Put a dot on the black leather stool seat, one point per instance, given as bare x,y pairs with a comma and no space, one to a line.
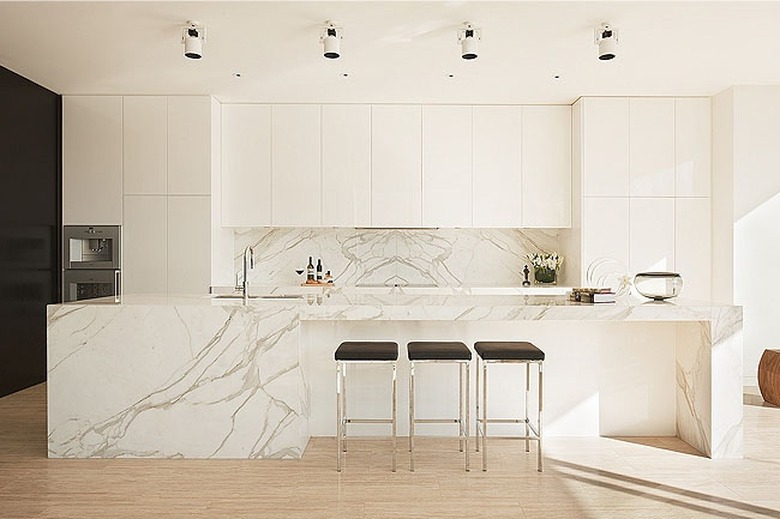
438,351
367,351
504,350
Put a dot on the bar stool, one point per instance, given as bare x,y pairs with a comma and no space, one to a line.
517,353
441,352
356,353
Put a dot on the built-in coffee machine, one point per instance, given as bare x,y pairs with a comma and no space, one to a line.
91,262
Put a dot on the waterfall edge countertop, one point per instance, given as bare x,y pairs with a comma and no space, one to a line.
207,377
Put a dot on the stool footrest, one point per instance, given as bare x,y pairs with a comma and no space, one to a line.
436,420
368,420
503,420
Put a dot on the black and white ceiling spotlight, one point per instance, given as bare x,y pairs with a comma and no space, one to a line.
193,36
469,37
606,39
330,37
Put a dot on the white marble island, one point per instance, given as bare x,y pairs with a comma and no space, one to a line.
196,377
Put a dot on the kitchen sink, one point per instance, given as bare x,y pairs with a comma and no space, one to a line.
232,296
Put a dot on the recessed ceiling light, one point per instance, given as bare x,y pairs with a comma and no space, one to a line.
450,76
236,74
345,74
556,76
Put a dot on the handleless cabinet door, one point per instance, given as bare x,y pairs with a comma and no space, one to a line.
189,244
496,147
92,160
651,235
189,145
396,180
546,166
446,173
346,165
605,235
651,130
605,150
145,130
296,174
246,165
693,246
693,137
145,243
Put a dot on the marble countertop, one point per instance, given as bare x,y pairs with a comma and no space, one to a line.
354,305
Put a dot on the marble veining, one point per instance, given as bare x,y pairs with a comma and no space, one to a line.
198,377
441,257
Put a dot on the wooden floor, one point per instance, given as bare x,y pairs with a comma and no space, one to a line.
584,478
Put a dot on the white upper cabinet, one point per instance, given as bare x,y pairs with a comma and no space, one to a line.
446,170
651,147
693,146
296,176
546,166
605,146
92,160
496,153
246,165
651,235
144,137
346,165
396,157
189,145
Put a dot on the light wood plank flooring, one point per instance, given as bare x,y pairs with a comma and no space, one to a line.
584,478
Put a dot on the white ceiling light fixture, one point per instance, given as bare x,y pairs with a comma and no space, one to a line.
606,39
193,36
330,37
469,37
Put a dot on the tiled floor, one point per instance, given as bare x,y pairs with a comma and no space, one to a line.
584,478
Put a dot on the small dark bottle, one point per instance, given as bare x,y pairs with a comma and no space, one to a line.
319,269
310,270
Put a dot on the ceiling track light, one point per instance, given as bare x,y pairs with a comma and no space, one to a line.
330,37
469,37
606,39
193,36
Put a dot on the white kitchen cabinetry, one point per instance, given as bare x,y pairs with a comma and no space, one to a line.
396,157
346,165
144,137
189,244
651,235
605,146
246,165
651,146
693,246
92,160
189,145
496,175
296,177
605,231
693,130
145,241
446,169
546,166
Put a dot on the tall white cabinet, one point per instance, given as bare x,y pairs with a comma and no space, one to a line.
645,198
92,160
144,162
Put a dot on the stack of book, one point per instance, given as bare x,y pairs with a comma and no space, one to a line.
592,295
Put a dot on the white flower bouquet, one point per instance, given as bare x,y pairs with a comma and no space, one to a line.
545,261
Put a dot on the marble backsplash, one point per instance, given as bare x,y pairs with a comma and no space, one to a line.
441,257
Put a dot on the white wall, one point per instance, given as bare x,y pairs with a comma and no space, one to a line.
747,160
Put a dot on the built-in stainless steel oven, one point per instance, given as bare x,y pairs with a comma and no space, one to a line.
91,261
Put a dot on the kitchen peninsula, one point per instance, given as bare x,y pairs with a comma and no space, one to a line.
201,377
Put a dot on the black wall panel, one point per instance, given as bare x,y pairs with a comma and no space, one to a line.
30,226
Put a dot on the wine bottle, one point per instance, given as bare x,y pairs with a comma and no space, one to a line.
319,269
310,270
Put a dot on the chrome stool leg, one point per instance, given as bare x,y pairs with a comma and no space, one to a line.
339,411
484,416
395,370
527,390
477,418
467,432
539,463
411,416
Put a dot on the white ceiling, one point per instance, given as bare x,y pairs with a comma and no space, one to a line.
394,52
